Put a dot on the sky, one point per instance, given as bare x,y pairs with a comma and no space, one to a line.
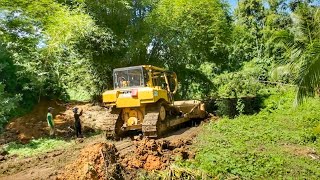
233,3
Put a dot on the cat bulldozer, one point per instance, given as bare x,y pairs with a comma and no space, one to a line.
143,100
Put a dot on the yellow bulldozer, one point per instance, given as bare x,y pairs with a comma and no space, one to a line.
142,99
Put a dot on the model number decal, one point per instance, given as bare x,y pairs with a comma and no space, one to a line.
125,95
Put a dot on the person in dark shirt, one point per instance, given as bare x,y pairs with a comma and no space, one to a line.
77,122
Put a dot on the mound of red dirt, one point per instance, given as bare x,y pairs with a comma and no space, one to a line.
156,155
101,160
96,161
34,124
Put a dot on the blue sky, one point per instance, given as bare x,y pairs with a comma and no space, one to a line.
233,3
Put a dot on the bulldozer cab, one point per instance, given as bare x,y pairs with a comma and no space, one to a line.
145,76
164,80
129,77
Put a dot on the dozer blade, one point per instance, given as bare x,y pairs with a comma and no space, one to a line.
191,108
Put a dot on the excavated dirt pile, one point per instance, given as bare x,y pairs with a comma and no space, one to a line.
96,161
156,155
34,124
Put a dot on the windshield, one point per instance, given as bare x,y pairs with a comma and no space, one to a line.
131,77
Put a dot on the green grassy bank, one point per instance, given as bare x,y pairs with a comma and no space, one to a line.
280,142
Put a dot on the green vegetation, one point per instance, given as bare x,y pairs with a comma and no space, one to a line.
35,147
276,143
67,49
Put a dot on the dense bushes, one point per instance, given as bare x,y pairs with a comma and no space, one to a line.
239,92
8,98
232,107
67,49
8,105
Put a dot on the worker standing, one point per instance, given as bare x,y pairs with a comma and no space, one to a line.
77,122
50,121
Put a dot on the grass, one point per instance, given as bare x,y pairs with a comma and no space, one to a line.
276,143
35,147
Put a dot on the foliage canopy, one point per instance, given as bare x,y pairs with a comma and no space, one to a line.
67,49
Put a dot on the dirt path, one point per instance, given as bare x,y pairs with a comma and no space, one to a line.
44,166
133,154
51,164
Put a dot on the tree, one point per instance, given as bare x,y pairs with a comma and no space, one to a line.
251,14
303,48
44,38
186,34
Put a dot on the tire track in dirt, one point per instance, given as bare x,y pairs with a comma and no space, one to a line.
127,145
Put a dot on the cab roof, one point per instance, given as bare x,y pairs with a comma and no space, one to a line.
147,67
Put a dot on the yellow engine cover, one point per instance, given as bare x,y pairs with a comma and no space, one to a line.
125,99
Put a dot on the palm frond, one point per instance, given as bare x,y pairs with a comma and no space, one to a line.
279,72
282,36
316,21
285,39
309,72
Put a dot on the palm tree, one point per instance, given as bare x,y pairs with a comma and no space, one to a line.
303,42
